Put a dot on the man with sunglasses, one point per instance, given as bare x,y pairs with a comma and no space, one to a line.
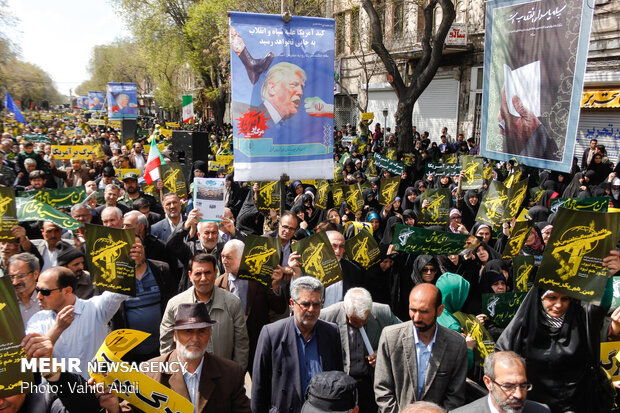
293,350
76,327
506,379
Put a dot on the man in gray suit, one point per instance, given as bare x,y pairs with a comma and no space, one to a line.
420,360
506,379
360,322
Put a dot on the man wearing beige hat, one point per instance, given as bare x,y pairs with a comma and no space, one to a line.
211,383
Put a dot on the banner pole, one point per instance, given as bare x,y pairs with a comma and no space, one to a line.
283,179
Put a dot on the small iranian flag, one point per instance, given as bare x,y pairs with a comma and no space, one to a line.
188,109
155,160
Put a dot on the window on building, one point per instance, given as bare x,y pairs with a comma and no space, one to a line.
355,27
340,33
398,18
476,86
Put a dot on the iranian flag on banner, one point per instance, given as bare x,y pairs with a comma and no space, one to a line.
188,109
155,160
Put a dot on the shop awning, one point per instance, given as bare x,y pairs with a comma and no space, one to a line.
600,98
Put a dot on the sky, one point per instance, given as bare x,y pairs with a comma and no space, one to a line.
59,36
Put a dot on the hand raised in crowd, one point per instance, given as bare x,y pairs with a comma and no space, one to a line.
193,218
614,327
160,185
482,318
65,317
425,203
37,346
228,225
469,341
137,253
612,262
18,232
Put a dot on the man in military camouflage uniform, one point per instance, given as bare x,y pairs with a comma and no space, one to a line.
133,192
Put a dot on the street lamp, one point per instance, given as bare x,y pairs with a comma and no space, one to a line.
385,113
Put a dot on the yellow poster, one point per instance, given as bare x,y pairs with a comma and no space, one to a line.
148,395
74,151
368,116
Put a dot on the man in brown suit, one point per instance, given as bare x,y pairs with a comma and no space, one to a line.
78,175
211,383
256,299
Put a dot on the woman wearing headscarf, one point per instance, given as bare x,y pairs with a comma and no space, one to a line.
250,220
390,227
378,278
468,205
423,269
491,282
484,232
559,337
534,244
411,194
574,188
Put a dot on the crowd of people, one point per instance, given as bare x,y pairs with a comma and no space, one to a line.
383,338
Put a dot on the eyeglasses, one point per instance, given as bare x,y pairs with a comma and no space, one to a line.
306,305
426,269
286,227
46,292
20,276
511,387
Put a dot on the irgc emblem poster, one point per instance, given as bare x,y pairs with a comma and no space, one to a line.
534,64
282,96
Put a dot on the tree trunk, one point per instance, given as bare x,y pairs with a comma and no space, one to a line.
404,114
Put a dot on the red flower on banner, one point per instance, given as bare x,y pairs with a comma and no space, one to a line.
253,124
115,109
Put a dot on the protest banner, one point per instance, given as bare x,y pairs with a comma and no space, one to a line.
209,198
382,162
442,169
438,208
518,235
268,196
523,272
338,193
107,256
363,249
573,259
75,151
8,213
318,258
120,172
596,204
358,226
502,307
473,172
36,137
609,359
533,78
270,138
338,172
149,395
171,125
11,352
58,198
261,255
215,166
35,210
95,101
368,116
322,194
174,181
225,159
491,208
484,342
416,240
450,158
388,190
354,197
536,193
408,159
122,101
151,189
516,195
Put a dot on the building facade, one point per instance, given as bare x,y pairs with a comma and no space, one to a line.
454,97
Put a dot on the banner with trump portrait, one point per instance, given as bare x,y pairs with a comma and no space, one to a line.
282,78
534,65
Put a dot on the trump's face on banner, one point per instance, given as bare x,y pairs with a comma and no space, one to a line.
284,88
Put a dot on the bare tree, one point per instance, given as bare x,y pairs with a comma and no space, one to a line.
425,68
